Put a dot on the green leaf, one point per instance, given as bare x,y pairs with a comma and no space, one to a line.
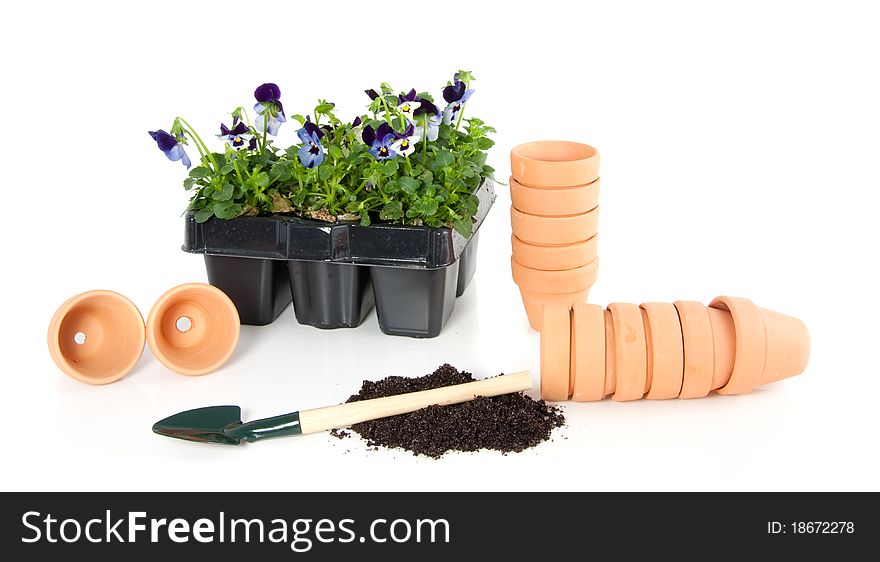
188,183
335,152
392,187
390,168
225,194
392,210
227,169
408,185
299,118
463,227
444,158
204,214
225,210
365,219
200,172
484,143
261,179
324,172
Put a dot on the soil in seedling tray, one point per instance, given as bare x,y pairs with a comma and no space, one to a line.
509,423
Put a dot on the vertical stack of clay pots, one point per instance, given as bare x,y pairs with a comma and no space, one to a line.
661,350
554,188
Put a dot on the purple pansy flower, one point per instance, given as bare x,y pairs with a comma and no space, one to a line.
171,146
372,93
405,142
356,122
456,95
407,103
427,119
270,113
311,153
238,136
380,141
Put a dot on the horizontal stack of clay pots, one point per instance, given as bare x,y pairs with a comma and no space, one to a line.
660,351
554,188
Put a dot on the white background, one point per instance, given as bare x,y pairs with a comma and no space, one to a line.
739,156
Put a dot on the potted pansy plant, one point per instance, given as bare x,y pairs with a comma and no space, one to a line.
383,208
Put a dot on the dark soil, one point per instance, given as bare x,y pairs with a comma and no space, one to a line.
509,423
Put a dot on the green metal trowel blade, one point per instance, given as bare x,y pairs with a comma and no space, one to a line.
205,425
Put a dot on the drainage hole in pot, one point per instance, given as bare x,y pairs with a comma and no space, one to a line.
79,338
184,324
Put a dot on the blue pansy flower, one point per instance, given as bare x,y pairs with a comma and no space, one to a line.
405,142
270,113
456,95
427,119
380,141
311,153
407,103
238,136
171,146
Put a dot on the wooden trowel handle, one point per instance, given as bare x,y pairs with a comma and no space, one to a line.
343,415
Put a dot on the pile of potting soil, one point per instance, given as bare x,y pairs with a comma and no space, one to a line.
506,423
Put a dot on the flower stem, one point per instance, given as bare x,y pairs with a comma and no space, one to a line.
195,136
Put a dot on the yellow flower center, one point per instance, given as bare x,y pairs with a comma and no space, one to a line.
404,144
406,108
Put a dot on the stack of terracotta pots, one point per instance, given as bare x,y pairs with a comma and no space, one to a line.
554,188
660,350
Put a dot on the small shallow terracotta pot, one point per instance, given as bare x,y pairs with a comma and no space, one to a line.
535,302
556,202
96,337
565,281
665,354
556,353
630,352
554,163
538,229
699,351
556,257
193,329
587,352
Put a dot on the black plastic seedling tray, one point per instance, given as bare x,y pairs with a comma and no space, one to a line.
336,272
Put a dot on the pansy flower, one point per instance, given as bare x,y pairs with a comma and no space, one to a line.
407,103
380,141
171,146
311,153
270,113
427,119
372,93
238,136
405,142
456,95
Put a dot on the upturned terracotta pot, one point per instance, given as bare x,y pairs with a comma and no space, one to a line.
587,352
555,257
556,352
539,229
564,281
630,352
751,346
664,350
96,337
535,302
699,350
554,163
193,329
554,202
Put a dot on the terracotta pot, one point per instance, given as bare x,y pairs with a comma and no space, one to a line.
535,301
554,202
748,362
96,337
587,352
554,163
630,352
724,344
664,350
699,351
556,353
787,345
538,229
193,329
565,281
554,258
